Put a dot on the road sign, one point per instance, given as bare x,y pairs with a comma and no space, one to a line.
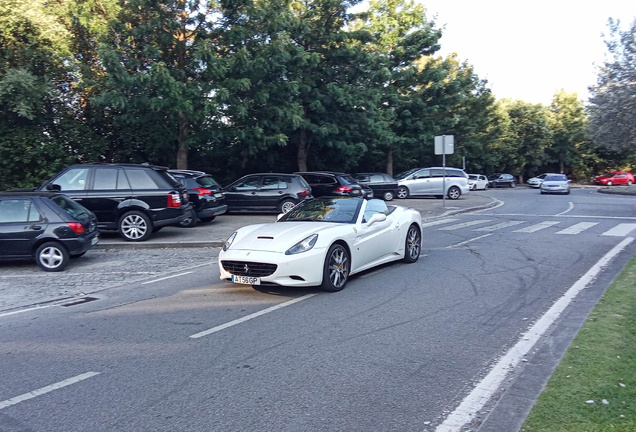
444,144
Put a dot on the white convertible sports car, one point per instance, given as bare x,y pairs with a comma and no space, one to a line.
321,242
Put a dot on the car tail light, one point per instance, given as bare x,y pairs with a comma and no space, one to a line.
304,193
174,200
77,227
203,191
343,189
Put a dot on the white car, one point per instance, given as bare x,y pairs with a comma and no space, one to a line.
321,242
477,181
536,181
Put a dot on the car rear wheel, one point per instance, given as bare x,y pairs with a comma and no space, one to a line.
609,183
286,205
388,196
403,192
413,244
629,182
190,221
454,192
52,257
336,269
135,226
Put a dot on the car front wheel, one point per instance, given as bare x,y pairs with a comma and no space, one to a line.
286,206
52,257
629,182
609,183
388,196
336,269
135,226
190,220
413,244
403,192
454,193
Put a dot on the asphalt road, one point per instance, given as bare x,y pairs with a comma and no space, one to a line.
398,350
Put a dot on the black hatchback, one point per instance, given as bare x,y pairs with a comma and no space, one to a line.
135,200
47,226
206,196
328,183
383,185
280,192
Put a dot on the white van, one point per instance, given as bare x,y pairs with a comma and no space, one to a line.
429,181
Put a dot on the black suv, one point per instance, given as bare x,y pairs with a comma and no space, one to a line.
279,192
135,200
327,183
208,201
47,226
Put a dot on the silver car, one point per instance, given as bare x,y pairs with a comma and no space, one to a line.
430,181
536,181
555,183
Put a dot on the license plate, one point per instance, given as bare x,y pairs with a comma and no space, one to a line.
218,195
248,280
95,240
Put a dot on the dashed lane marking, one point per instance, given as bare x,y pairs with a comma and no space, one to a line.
464,225
577,228
537,227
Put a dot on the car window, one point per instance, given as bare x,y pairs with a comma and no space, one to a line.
364,178
332,209
425,173
327,180
311,178
69,206
377,178
140,179
302,181
273,182
73,179
105,178
18,210
556,177
250,183
207,182
374,206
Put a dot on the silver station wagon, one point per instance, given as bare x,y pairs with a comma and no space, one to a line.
430,181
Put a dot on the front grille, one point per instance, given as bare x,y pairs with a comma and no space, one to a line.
244,268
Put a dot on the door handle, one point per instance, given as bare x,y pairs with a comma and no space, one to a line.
253,193
280,192
35,227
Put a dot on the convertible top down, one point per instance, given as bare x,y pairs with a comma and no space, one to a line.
321,242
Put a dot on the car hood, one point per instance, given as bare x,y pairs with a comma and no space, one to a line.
603,177
280,236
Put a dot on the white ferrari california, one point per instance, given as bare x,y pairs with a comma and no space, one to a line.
321,242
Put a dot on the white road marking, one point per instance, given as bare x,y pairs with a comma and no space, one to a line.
499,226
26,310
467,410
537,227
620,230
468,241
577,228
564,212
438,222
464,225
249,317
167,277
47,389
560,215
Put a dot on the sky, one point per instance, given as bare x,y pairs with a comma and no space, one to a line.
528,50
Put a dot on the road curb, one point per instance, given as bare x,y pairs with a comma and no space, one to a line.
159,245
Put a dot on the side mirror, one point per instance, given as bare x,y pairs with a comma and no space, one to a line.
378,217
53,187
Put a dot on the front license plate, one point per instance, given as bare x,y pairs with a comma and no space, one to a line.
95,240
246,280
218,195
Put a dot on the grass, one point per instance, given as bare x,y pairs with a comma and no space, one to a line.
599,365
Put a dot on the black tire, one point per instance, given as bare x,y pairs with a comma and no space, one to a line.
286,205
78,255
52,257
629,182
207,219
513,184
403,192
336,268
413,244
190,221
135,226
454,193
388,196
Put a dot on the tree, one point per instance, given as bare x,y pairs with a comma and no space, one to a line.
612,106
568,123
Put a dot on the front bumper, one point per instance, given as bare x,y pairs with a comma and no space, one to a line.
300,270
558,189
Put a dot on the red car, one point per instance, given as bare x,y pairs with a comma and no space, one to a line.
615,178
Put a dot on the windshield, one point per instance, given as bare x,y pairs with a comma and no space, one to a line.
325,209
556,178
69,206
405,174
207,182
473,176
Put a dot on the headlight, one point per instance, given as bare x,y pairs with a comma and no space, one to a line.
303,246
229,241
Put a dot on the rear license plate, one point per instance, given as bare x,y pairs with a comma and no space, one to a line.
246,280
95,240
218,195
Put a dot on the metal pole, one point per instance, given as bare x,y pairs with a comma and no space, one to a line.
444,166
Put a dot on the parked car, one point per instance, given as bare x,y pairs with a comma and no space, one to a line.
383,185
614,178
135,200
499,180
205,194
280,192
322,242
555,183
477,181
430,181
328,183
536,181
47,226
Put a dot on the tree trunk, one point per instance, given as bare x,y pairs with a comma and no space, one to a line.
389,161
562,167
182,153
303,147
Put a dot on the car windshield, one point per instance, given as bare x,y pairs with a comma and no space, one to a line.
325,209
207,182
473,176
609,174
405,174
556,178
69,206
